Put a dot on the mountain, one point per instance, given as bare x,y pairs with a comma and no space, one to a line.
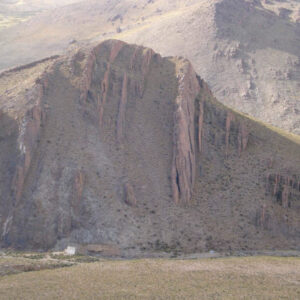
246,50
116,145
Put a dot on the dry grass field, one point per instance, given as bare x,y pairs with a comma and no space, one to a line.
222,278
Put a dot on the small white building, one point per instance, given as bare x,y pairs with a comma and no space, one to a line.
70,250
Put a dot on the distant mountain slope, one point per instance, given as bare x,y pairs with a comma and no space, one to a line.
247,50
119,146
13,12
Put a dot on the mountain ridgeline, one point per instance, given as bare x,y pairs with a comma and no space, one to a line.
246,50
116,145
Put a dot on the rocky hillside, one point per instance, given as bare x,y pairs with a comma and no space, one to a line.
116,145
246,50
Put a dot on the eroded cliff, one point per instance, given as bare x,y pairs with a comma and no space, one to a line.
117,145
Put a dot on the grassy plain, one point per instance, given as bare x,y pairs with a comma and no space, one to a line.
221,278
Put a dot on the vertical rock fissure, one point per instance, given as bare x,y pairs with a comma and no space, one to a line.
243,137
122,110
177,181
200,126
229,119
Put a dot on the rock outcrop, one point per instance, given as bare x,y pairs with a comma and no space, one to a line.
285,189
129,195
116,145
184,152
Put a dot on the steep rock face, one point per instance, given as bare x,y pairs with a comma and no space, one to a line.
116,145
9,152
29,133
184,154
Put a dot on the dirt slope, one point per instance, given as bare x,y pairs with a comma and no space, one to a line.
247,50
115,145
